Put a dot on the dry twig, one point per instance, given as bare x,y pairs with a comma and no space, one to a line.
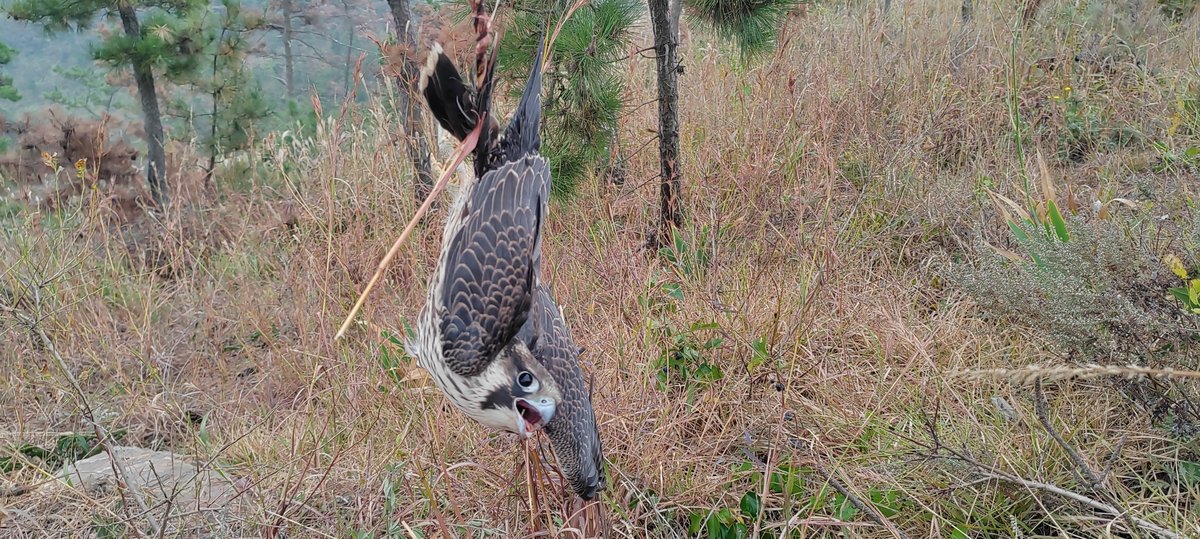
103,438
1039,404
867,509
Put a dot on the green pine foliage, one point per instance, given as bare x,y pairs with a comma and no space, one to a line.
585,84
170,42
7,91
225,103
88,92
752,24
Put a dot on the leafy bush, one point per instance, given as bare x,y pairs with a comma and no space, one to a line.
685,362
1097,291
1094,294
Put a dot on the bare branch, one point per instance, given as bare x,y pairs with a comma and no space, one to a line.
867,509
1039,404
103,438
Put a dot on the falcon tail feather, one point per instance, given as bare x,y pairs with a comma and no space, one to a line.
450,99
523,134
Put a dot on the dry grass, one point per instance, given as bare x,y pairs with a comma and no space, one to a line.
842,175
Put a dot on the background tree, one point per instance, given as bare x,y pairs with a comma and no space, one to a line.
752,24
157,36
667,67
317,43
411,101
224,102
585,82
6,88
87,92
284,22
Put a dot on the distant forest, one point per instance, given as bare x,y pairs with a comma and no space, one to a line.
225,73
57,68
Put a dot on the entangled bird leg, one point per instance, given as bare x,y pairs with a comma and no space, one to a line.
531,473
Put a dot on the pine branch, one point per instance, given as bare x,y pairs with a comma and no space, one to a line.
752,24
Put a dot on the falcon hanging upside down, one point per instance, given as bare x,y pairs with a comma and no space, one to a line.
490,334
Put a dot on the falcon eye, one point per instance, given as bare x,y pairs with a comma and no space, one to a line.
525,379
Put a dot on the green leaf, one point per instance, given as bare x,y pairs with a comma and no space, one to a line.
1189,472
389,363
34,451
1017,231
203,432
1056,219
726,516
392,338
696,523
788,480
1023,238
750,504
958,533
673,290
886,501
709,373
777,483
844,510
681,245
760,355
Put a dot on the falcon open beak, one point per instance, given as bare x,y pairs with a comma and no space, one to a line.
534,414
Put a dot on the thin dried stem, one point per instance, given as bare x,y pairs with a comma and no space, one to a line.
102,436
467,145
1039,405
1080,498
866,508
1032,374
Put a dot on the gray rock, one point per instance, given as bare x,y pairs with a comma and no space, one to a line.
158,476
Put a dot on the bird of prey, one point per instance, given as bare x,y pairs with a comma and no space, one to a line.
490,334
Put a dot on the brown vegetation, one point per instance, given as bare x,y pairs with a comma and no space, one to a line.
56,140
833,192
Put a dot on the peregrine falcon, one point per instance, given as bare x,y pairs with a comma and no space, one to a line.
490,334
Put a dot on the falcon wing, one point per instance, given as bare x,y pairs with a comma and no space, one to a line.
493,263
573,430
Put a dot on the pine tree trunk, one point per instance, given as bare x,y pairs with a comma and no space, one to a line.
676,11
410,103
289,77
156,164
666,40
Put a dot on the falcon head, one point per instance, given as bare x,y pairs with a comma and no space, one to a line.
521,395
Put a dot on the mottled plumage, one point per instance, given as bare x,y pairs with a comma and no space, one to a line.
573,431
490,334
492,263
